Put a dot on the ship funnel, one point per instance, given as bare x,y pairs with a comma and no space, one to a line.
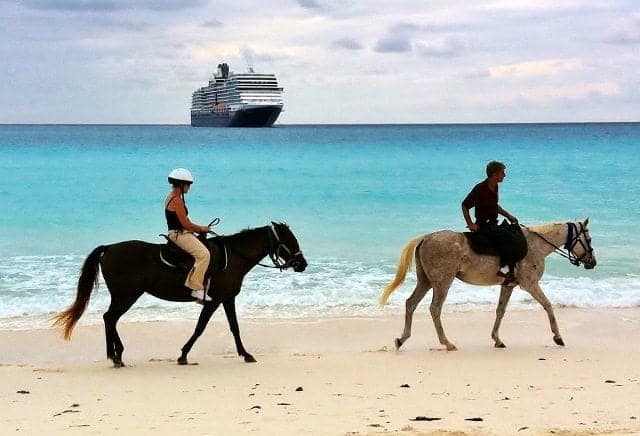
223,70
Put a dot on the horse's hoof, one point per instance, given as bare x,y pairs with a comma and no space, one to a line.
398,343
118,363
249,358
500,345
558,340
452,347
182,360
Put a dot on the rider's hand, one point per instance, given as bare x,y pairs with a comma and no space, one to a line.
205,229
513,219
473,227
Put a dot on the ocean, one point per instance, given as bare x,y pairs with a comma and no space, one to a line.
353,195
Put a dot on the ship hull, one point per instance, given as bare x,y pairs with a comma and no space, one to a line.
251,117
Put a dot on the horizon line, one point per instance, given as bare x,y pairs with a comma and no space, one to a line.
335,124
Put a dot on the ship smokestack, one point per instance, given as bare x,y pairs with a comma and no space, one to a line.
223,70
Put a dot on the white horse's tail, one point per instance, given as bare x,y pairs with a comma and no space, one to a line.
404,263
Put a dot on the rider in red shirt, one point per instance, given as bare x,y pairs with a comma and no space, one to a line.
484,199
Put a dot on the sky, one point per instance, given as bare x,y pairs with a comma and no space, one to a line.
347,61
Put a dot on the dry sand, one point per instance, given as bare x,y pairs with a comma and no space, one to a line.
331,376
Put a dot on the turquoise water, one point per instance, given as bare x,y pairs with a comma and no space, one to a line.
352,194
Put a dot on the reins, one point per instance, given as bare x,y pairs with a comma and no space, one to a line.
573,238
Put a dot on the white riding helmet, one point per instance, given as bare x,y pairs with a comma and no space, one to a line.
180,175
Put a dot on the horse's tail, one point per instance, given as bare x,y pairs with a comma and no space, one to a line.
68,318
404,263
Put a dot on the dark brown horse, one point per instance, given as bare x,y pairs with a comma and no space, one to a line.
131,268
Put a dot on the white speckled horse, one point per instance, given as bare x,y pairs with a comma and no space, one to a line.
442,256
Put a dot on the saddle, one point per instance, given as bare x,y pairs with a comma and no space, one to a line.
481,243
175,257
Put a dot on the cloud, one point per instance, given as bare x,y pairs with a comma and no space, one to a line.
110,5
309,4
393,44
438,39
489,49
250,56
543,67
627,32
212,23
74,5
477,73
572,92
406,27
432,27
109,22
443,47
549,94
347,43
533,7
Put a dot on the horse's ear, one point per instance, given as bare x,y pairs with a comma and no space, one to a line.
586,222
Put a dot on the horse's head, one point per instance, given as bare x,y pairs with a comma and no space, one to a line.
579,244
287,248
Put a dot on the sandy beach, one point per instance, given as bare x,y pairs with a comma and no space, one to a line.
332,376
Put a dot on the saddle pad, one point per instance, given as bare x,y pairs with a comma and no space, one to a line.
481,243
174,257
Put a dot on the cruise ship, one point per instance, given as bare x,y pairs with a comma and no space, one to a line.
237,100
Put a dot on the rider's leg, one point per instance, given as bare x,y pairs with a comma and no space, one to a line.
503,240
195,279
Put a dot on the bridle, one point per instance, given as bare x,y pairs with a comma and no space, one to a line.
276,246
573,239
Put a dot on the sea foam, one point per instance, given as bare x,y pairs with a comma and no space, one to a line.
34,288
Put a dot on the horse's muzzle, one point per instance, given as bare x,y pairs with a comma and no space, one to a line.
590,265
589,262
298,263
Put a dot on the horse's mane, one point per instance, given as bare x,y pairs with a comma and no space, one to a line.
248,230
544,228
243,232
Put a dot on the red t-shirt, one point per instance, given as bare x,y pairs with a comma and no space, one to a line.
485,202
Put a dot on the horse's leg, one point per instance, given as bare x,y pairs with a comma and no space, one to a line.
537,293
505,295
205,316
119,305
230,311
422,287
108,334
440,291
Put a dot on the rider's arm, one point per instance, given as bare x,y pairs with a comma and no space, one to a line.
469,202
507,215
467,217
178,207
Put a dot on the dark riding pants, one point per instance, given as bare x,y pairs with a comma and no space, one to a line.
508,241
